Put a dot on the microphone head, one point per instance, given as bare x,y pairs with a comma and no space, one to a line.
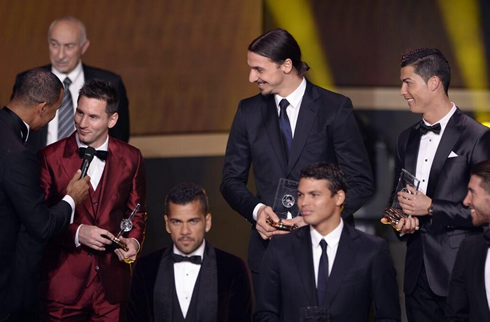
89,154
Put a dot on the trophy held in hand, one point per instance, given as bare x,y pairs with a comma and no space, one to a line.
394,213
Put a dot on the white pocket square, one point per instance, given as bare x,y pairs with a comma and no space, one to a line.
452,155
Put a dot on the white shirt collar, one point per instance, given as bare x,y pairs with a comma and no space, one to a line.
198,252
103,147
332,238
445,119
73,75
295,97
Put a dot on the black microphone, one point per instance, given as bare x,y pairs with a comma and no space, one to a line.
87,158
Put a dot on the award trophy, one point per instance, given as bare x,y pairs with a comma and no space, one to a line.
314,314
394,213
285,205
126,226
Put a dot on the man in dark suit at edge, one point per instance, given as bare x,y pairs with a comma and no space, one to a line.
34,104
328,267
290,125
469,289
440,151
191,280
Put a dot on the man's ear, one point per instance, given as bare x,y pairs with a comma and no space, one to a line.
113,120
41,108
340,198
209,222
85,46
287,66
434,83
166,224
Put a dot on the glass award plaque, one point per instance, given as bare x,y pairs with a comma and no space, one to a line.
394,213
285,206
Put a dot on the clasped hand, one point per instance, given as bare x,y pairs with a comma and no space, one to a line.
265,230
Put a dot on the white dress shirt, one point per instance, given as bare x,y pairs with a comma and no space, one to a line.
77,80
294,99
332,240
185,276
487,277
429,143
95,171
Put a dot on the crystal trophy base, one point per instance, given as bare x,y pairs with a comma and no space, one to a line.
280,225
116,243
393,216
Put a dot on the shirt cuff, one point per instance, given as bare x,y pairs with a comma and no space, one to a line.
77,243
71,202
256,210
139,246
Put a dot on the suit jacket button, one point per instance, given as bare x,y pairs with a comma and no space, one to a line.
96,268
96,203
89,254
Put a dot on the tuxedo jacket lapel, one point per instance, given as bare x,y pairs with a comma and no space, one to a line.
451,135
412,151
307,113
115,164
271,124
162,292
207,304
342,263
478,280
304,262
71,163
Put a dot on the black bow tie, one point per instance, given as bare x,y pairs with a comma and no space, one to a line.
424,129
99,153
486,235
193,259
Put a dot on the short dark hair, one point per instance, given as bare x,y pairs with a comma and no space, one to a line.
101,90
428,62
326,171
184,193
278,45
482,170
38,86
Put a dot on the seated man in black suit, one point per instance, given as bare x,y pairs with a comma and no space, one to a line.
469,289
190,280
328,267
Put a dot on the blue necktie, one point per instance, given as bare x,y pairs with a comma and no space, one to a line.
285,126
322,273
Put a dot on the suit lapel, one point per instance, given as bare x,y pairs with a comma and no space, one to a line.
271,124
162,292
71,163
342,263
207,299
412,151
451,135
88,73
304,261
478,279
306,116
114,166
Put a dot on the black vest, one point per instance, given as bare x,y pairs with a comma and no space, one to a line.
177,315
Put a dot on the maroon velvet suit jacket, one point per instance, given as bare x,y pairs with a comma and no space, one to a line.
66,270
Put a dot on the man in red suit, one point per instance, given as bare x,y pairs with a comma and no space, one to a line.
81,277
